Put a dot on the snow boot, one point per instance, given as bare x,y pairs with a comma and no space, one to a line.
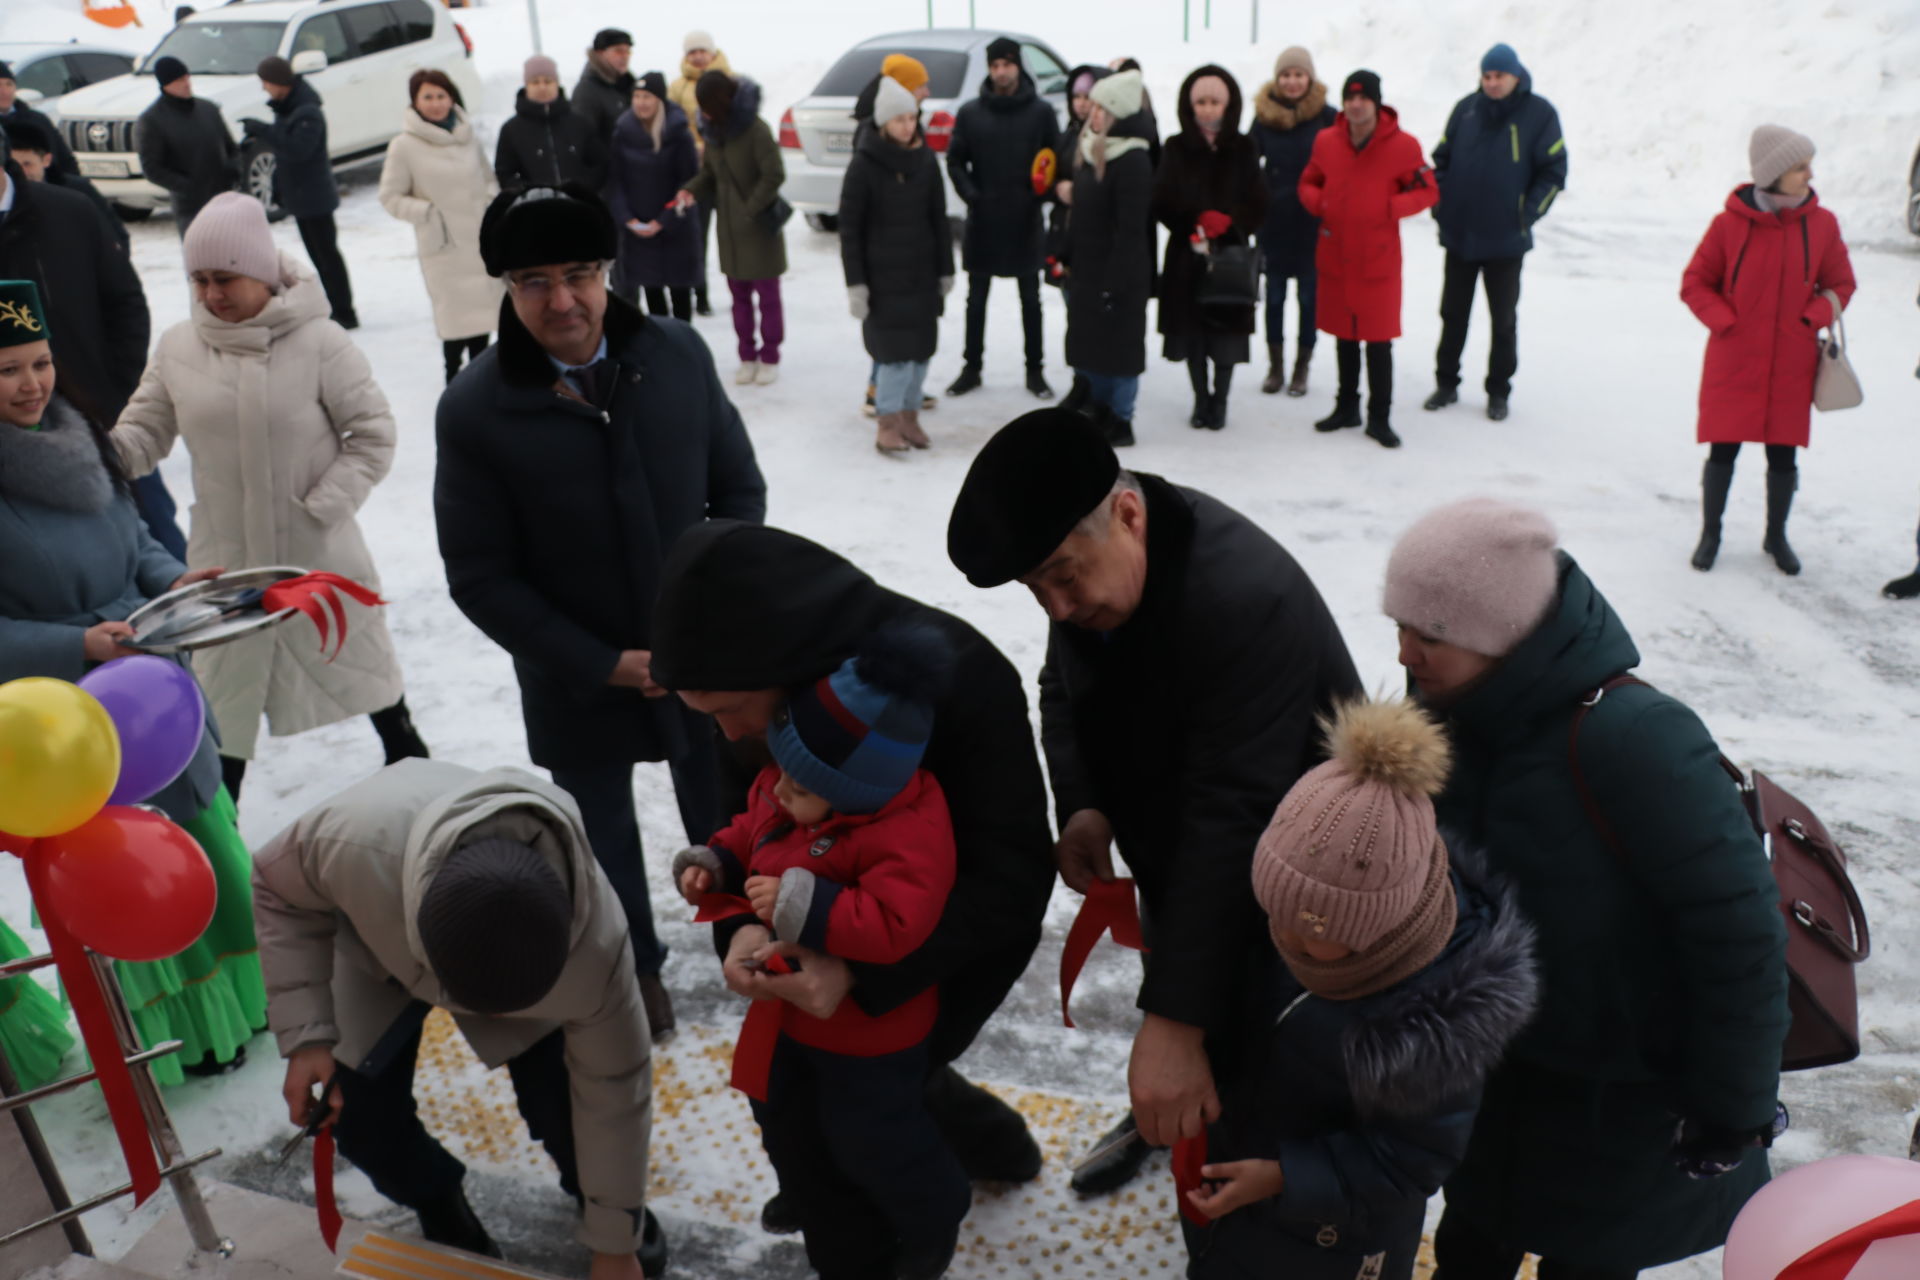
744,375
1116,1166
910,428
1497,408
1441,398
702,304
1202,400
767,374
1037,384
1297,385
1715,479
658,1005
452,1222
969,380
1117,430
398,737
1906,588
988,1137
929,1260
1346,413
1380,430
1780,487
652,1252
1276,362
778,1217
890,438
1078,395
1217,402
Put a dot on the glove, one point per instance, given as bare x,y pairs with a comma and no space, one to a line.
1704,1151
946,285
1213,224
253,128
857,301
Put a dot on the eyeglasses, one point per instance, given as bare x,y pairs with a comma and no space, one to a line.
537,288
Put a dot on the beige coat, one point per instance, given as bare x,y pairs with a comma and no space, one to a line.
681,91
335,898
288,435
440,181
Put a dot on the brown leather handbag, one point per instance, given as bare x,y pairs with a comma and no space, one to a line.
1826,925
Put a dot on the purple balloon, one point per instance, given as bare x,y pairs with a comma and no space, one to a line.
156,706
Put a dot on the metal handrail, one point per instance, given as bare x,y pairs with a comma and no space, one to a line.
105,1197
26,964
10,1102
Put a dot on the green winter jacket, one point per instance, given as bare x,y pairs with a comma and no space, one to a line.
1662,961
740,176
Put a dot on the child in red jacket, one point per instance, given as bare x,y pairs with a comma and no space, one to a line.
846,848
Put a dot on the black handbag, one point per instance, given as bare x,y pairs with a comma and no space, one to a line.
774,216
1229,278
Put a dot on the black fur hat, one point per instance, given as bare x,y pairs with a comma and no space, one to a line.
541,226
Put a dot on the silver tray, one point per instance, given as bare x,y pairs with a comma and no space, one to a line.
163,612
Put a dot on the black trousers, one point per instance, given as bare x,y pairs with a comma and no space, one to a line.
1379,376
454,349
1502,278
859,1157
978,285
1780,457
680,306
322,240
604,792
1462,1252
380,1131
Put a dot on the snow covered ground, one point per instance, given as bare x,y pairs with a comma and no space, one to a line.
1815,680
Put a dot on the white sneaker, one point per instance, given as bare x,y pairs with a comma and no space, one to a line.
745,374
767,375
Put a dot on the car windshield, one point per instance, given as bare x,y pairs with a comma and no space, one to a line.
946,70
220,48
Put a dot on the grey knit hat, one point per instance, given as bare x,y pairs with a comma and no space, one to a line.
496,924
539,65
1774,150
1293,58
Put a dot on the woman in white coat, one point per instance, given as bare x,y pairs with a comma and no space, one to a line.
437,177
288,435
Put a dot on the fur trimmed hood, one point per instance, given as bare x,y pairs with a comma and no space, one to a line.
1270,110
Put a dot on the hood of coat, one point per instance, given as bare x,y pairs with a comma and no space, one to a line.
1271,110
629,131
523,361
1229,123
57,466
1501,108
741,115
509,804
1387,126
303,95
1018,100
691,73
1439,1034
744,606
300,301
1741,201
415,125
526,108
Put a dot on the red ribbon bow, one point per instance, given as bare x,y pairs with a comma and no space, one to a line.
760,1031
323,1201
1835,1259
1109,908
314,594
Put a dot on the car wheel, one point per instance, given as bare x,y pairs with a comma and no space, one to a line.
828,222
256,177
129,213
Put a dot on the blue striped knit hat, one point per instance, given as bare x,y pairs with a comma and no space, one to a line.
855,737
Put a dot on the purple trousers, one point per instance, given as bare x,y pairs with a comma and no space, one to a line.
772,324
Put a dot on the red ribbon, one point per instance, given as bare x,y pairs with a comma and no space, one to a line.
98,1033
1189,1157
323,1201
314,594
1109,908
760,1030
1836,1258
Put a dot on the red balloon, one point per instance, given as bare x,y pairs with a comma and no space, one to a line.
18,846
128,883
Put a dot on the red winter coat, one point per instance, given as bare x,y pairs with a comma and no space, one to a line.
863,887
1360,197
1755,283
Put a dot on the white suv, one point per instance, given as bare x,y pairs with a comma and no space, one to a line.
359,54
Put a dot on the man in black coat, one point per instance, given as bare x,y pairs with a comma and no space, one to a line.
13,112
571,454
1187,659
184,144
604,91
746,614
32,150
991,159
303,176
96,310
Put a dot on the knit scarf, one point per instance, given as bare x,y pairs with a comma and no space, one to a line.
1097,148
1775,202
1411,946
57,466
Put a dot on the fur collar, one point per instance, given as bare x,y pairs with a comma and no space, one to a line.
1269,110
1437,1035
57,466
524,363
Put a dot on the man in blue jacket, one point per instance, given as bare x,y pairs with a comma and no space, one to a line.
303,176
1500,164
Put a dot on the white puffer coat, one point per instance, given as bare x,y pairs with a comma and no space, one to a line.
440,181
288,434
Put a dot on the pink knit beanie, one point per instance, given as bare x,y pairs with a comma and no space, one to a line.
230,234
1480,574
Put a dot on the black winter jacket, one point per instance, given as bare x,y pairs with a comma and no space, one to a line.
641,182
96,309
186,147
749,608
303,168
601,102
1185,727
1193,179
896,240
548,142
1284,136
554,516
81,186
1499,165
1110,260
990,159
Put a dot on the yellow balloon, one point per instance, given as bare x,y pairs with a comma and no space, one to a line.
59,757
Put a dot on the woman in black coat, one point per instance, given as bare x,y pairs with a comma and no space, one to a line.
1110,249
1209,195
896,246
546,140
654,155
1289,112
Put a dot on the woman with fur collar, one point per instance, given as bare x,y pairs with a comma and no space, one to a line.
1289,111
1408,971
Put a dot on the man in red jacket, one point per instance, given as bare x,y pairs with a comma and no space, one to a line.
1362,180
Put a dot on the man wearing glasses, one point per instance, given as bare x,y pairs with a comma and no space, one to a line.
572,453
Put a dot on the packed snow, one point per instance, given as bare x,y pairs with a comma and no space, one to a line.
1815,679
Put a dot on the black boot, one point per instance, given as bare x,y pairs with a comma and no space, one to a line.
1117,430
1715,479
1903,588
1441,398
1078,394
1346,402
1380,394
1117,1165
1037,385
928,1260
1217,402
451,1222
778,1217
1202,398
232,772
1346,413
1780,487
969,380
702,305
652,1252
1276,365
397,734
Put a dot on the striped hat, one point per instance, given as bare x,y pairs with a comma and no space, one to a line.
855,737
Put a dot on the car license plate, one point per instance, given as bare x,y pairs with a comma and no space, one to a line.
839,144
102,168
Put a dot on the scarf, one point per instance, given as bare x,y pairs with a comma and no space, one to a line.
57,465
1097,148
1775,202
1408,948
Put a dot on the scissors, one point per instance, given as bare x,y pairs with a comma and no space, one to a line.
318,1113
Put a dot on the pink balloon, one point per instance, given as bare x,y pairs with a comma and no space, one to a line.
1804,1208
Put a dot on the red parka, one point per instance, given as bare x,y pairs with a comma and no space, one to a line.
1360,197
1755,282
871,887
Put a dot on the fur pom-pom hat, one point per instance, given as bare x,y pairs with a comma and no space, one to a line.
1354,856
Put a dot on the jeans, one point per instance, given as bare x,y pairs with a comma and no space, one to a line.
1502,277
1118,394
1306,288
766,349
664,301
897,387
978,286
322,240
604,793
1462,1252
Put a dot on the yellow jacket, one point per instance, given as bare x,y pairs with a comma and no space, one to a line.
681,90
